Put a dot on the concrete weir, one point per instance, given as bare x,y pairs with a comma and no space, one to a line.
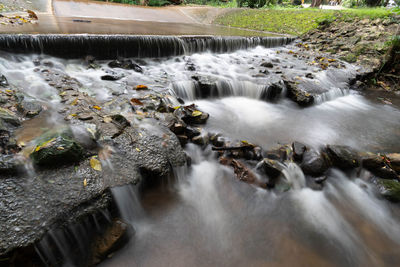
112,46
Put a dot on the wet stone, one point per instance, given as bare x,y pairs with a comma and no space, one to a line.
8,164
314,163
272,92
297,95
29,108
125,64
394,159
267,65
298,150
110,77
57,149
3,81
270,167
342,157
389,189
9,117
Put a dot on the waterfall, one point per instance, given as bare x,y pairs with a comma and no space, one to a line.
112,46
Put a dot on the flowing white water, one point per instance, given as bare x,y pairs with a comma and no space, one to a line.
209,218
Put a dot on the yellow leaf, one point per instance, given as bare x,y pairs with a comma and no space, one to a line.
60,148
9,91
95,163
84,182
137,149
74,102
63,93
45,144
177,107
97,107
196,113
73,115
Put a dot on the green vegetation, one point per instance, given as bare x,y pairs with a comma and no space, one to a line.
294,21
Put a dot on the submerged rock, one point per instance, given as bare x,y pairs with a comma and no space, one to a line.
267,65
108,77
389,189
57,149
29,108
297,95
343,157
114,238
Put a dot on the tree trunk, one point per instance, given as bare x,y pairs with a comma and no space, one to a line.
316,3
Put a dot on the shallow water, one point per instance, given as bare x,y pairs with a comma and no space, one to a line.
205,216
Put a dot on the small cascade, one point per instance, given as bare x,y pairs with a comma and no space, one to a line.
128,203
72,244
112,46
332,94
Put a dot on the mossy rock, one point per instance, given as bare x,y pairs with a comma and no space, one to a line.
390,189
350,58
9,117
57,149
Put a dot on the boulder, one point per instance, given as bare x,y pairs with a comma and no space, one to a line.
342,157
314,163
57,149
297,95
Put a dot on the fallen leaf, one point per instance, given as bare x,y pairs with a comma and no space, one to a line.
97,107
84,182
141,87
136,101
196,113
137,149
74,102
95,163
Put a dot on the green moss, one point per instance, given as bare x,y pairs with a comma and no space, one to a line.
294,21
350,57
390,189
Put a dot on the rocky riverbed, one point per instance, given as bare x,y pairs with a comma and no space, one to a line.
73,129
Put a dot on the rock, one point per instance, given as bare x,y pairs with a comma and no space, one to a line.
190,115
206,86
321,179
9,117
108,77
242,172
271,92
394,159
29,108
378,166
8,164
267,65
342,157
183,139
191,132
125,64
270,167
389,189
298,150
310,76
56,149
200,140
114,238
314,163
177,128
299,96
190,66
3,81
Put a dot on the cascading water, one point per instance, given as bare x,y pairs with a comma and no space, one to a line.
209,218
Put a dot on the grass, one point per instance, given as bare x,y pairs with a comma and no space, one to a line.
294,21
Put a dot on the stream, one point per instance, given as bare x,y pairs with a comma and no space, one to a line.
204,216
